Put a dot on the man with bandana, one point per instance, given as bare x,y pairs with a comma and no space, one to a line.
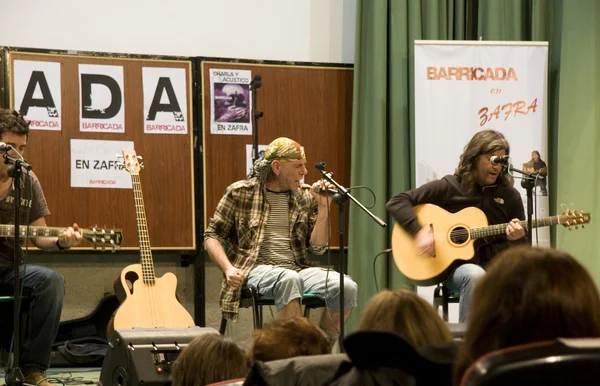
261,233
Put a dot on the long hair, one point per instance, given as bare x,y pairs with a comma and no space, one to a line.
484,142
287,338
209,358
13,122
406,314
529,295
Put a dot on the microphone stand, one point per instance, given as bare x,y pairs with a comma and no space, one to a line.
256,115
340,199
527,182
14,375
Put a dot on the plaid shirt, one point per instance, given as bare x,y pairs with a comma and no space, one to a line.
240,221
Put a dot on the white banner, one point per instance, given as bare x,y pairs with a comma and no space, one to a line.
465,87
230,102
94,164
38,94
165,102
102,98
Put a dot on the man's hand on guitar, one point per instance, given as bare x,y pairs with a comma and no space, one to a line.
235,277
514,230
70,237
424,242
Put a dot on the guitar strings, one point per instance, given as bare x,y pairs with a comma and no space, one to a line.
149,287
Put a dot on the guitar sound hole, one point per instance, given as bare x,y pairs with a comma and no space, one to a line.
459,235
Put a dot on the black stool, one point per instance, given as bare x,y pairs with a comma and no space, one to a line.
250,298
442,296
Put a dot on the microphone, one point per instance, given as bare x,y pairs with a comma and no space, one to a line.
319,190
256,82
4,147
495,160
325,192
320,166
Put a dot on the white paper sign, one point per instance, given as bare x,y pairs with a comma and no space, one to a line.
94,164
230,102
101,96
38,93
165,102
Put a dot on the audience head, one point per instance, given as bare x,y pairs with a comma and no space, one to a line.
287,338
529,295
406,314
209,358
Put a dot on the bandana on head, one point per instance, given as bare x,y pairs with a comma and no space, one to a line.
284,149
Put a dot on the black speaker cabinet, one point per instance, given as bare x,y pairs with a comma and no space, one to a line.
143,356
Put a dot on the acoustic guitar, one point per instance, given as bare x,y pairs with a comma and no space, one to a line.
148,301
454,235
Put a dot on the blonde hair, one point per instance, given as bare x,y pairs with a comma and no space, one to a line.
209,358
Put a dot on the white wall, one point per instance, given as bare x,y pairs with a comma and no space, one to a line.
290,30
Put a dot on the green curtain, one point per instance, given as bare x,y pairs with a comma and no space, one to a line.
383,120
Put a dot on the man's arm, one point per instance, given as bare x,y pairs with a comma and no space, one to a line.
401,206
70,237
319,235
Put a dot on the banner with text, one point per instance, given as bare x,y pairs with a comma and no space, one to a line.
231,102
101,91
94,164
465,87
165,102
37,93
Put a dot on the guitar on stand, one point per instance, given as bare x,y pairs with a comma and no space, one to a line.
149,301
454,237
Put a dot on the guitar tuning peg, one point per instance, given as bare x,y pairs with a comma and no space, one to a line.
142,165
120,156
120,164
139,157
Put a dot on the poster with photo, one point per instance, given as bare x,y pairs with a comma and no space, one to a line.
230,102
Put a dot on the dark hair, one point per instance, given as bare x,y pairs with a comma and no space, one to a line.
529,295
484,142
13,122
209,358
538,154
287,338
406,314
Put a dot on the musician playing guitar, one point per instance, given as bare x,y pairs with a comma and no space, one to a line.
47,286
476,183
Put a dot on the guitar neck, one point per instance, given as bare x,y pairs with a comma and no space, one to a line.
142,224
499,229
25,231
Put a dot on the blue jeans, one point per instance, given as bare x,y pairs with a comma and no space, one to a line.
463,279
47,294
286,285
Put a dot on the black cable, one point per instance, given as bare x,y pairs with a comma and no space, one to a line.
374,271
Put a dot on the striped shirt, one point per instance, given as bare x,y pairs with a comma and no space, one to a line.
239,224
276,248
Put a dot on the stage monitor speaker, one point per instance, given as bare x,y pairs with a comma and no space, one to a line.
143,356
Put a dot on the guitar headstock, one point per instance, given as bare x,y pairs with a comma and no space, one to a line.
572,218
102,238
131,161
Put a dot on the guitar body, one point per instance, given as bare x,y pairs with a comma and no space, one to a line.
453,246
149,305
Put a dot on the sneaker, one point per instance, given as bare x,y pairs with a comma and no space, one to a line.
37,378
